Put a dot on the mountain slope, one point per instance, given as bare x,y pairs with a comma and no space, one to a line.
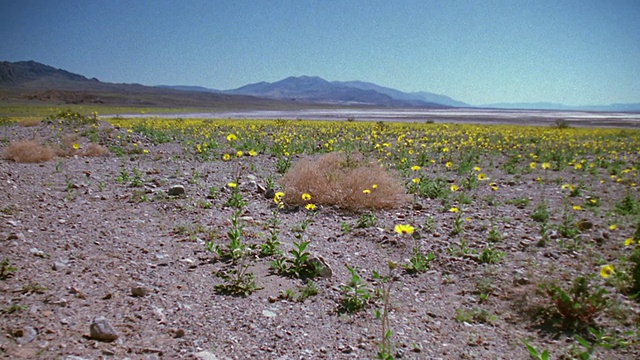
314,88
400,95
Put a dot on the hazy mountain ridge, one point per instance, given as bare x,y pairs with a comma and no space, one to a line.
48,83
317,89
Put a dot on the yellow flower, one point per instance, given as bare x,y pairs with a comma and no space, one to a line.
454,187
404,229
607,270
374,186
239,153
415,180
232,185
253,153
482,176
277,198
454,210
415,168
145,151
306,197
533,165
226,157
444,150
477,168
629,241
231,137
366,191
613,227
493,186
449,164
310,207
546,165
76,146
565,186
578,166
577,207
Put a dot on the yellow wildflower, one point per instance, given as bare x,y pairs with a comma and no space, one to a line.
232,185
277,198
404,229
629,241
454,210
366,191
306,197
415,168
231,137
607,270
310,207
454,187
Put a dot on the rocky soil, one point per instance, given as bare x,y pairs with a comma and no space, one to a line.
108,270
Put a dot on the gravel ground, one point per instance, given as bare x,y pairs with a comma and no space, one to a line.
87,246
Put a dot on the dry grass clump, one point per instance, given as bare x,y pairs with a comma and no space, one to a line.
350,182
29,122
95,150
27,151
72,145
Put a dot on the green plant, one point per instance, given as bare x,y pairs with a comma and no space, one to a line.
541,212
235,199
458,224
123,176
489,255
213,192
271,246
366,220
628,205
494,235
137,180
355,295
578,305
568,227
345,227
13,308
237,280
535,353
283,164
303,293
33,288
385,284
520,203
418,262
474,315
6,269
462,249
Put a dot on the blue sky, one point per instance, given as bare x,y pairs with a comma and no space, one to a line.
575,52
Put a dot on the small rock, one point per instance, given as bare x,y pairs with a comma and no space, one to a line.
176,190
25,335
585,225
269,313
102,330
324,270
17,236
38,253
73,357
270,193
178,334
139,291
205,355
58,265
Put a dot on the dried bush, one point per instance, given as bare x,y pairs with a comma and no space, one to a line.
95,150
339,179
27,151
29,122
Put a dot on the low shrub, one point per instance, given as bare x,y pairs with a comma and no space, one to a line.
27,151
347,181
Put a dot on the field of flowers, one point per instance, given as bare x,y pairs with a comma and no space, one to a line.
387,239
489,190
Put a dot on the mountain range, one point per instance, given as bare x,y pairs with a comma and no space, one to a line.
31,80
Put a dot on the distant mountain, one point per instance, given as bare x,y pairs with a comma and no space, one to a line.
33,81
399,95
313,88
34,74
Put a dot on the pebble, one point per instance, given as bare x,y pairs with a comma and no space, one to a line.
205,355
102,330
38,253
176,190
25,335
139,291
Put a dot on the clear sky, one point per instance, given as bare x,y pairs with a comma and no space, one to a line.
576,52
